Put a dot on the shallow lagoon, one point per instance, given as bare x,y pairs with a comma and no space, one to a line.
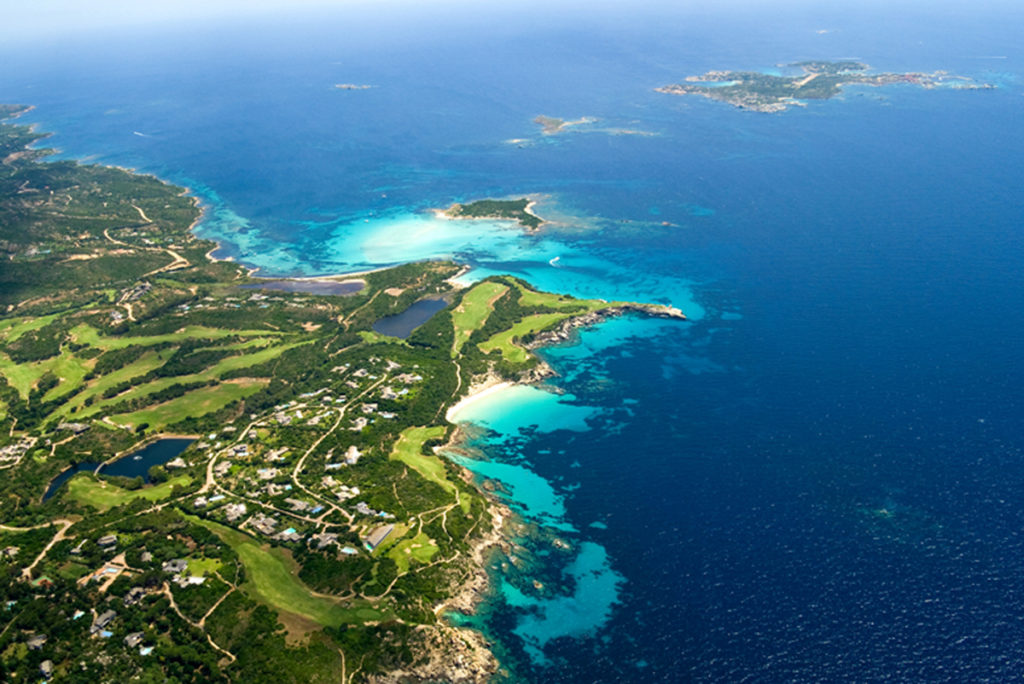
317,287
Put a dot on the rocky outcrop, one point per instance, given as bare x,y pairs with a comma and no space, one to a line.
447,653
453,654
456,654
565,331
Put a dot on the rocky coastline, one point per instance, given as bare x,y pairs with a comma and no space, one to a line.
461,654
565,331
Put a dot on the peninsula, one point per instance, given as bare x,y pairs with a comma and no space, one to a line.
814,80
305,525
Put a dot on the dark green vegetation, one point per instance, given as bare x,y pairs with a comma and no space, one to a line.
314,436
496,321
817,80
310,533
80,229
831,68
514,210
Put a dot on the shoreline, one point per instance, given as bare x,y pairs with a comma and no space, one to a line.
138,446
474,657
492,385
473,591
532,200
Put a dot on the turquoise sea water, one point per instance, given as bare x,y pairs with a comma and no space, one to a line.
816,478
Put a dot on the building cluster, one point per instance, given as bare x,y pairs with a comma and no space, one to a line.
12,454
178,568
262,475
135,293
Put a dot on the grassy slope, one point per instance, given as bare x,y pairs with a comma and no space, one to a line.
192,404
72,371
474,309
407,450
505,340
531,298
271,578
141,366
566,306
23,376
153,361
86,334
104,496
420,548
13,328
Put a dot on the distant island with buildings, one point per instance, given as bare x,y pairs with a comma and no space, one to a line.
814,80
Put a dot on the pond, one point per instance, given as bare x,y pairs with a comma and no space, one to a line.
401,325
58,482
135,464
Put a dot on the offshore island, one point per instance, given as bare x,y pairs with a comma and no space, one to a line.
518,210
211,477
817,80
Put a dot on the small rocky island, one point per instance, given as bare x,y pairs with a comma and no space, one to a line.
514,210
816,80
550,125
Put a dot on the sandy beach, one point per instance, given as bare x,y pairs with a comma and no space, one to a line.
491,386
353,275
445,215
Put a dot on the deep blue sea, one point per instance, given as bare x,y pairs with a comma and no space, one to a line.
820,476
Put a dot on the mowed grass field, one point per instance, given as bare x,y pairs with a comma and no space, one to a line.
192,404
13,328
505,341
272,578
247,357
86,334
201,567
103,496
420,548
473,310
23,376
146,363
531,298
407,450
72,370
